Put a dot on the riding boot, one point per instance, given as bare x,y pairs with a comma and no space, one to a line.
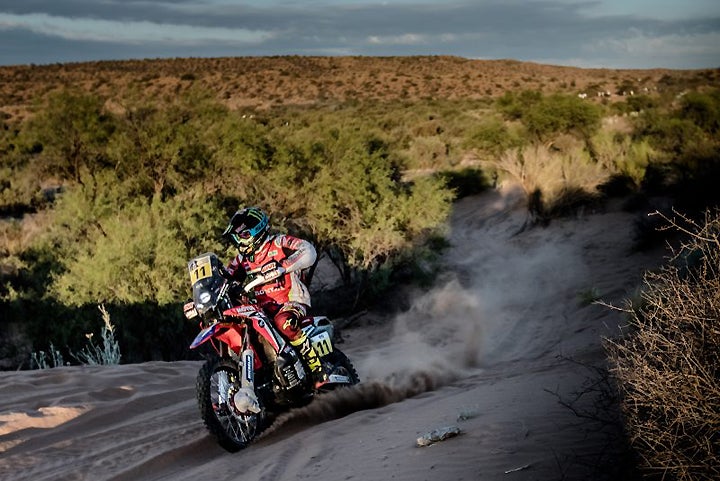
311,359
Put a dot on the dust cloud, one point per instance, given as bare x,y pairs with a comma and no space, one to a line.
493,281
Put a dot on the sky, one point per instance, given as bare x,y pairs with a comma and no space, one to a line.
678,34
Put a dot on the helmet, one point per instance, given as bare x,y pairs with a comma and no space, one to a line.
248,229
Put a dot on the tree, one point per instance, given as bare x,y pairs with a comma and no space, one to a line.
141,254
73,130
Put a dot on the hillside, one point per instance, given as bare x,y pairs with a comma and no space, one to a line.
264,82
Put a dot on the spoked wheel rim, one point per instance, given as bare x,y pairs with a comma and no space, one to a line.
239,427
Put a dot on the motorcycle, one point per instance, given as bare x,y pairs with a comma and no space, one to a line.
253,373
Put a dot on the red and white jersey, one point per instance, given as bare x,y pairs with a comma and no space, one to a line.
293,254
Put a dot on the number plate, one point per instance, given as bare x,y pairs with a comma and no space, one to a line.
199,269
322,344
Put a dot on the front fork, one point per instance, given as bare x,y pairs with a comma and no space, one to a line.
247,358
246,363
245,400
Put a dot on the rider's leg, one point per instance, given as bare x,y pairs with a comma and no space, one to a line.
287,320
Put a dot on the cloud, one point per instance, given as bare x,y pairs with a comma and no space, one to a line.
417,39
637,49
132,32
524,30
638,43
406,39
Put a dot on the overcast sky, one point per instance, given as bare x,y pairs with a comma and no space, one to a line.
591,33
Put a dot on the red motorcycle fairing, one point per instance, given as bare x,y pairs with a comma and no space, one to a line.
232,338
261,324
228,333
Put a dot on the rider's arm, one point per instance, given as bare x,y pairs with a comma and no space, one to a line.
302,255
235,270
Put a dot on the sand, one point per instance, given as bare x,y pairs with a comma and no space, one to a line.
501,348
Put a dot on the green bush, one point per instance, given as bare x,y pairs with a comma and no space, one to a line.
514,105
555,182
703,109
490,137
561,114
162,149
671,135
545,117
139,254
686,160
637,103
357,204
622,156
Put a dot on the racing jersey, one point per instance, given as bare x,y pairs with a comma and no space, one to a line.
293,254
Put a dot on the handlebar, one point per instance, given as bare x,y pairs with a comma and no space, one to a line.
224,288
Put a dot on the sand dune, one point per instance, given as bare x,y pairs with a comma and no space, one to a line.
491,349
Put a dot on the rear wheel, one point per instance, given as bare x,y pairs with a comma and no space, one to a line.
217,383
342,366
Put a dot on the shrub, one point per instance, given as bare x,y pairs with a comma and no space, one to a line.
554,182
622,156
104,354
703,109
466,181
686,150
671,134
668,366
637,103
561,114
358,203
490,137
545,117
160,149
428,153
514,105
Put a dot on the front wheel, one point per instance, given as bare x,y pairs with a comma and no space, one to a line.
217,383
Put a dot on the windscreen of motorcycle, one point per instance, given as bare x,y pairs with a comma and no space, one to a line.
206,281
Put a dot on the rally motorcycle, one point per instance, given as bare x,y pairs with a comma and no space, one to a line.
252,373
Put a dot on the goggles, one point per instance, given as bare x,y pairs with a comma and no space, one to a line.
241,238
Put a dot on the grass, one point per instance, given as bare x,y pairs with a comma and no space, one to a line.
105,353
46,360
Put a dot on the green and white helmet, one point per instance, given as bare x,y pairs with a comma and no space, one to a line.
248,229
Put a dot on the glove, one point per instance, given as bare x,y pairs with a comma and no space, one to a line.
225,273
271,270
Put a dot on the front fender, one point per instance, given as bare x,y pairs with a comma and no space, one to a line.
226,332
204,335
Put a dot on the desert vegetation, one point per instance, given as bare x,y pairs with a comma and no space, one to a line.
107,193
667,365
113,174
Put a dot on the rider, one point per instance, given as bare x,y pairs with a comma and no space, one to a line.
280,259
